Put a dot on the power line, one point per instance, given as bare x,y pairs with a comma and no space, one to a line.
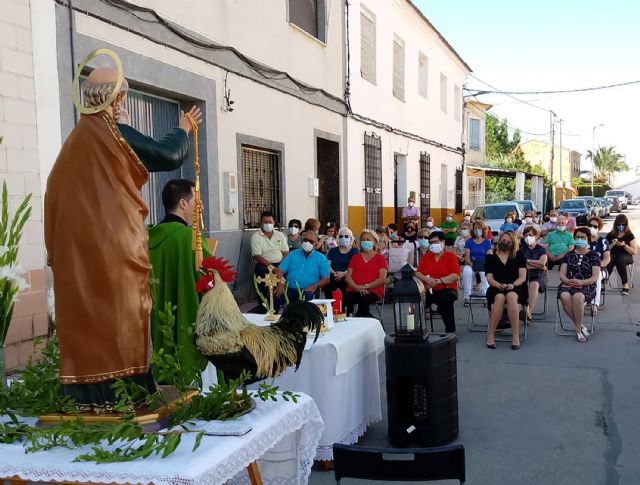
556,91
507,94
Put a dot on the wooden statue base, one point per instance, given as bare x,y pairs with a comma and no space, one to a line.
150,419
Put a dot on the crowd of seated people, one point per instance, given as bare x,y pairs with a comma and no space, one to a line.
510,277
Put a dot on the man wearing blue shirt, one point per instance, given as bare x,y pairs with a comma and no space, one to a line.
306,270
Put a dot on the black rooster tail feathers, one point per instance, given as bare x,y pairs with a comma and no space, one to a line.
300,314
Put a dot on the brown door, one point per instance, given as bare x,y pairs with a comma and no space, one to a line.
328,156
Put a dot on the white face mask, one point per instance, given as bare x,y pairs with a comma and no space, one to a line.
467,218
553,219
594,231
294,230
411,204
530,240
429,224
528,220
464,232
307,247
435,248
561,228
345,242
449,218
509,220
267,227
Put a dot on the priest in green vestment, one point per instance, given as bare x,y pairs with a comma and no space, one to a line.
173,275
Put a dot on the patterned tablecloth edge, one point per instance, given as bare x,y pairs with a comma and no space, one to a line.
306,414
325,453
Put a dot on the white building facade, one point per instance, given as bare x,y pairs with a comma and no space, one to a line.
405,128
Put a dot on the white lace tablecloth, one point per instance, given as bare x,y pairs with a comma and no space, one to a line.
340,372
283,441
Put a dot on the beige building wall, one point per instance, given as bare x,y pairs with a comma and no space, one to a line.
567,160
19,167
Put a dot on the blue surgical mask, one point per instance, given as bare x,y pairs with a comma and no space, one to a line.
580,243
393,235
366,245
464,232
477,232
620,227
424,243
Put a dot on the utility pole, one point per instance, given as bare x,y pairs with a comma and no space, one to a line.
551,133
561,174
593,154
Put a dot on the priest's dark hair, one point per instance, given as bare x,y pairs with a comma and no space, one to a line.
175,190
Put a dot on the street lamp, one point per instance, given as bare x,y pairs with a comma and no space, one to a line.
593,153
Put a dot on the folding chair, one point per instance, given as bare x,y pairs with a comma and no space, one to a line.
630,273
472,325
559,326
394,464
505,324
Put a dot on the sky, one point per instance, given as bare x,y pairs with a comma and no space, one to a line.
518,45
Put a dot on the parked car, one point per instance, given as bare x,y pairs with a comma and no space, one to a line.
529,205
620,194
493,214
614,203
594,210
629,198
576,208
602,211
607,206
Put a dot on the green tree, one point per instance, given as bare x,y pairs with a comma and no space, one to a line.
498,142
607,162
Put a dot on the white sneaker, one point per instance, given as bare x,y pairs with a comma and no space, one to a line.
585,332
581,338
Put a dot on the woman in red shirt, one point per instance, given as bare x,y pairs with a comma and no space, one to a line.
439,271
366,276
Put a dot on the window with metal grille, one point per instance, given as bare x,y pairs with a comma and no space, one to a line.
368,46
373,180
260,184
458,190
154,117
425,187
398,68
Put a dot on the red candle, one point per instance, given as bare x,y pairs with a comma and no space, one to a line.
337,304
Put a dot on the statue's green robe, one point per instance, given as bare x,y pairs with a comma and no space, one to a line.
173,279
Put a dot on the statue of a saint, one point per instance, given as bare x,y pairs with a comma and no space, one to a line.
96,242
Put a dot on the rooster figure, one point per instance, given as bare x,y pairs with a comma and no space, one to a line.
233,344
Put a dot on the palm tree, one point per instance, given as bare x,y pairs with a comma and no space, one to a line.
607,162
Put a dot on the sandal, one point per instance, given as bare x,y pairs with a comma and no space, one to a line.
585,332
581,338
625,291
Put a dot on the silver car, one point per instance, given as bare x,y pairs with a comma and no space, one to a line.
494,214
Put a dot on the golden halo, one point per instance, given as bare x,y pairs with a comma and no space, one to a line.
75,88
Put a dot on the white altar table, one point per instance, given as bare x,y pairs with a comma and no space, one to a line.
340,372
282,442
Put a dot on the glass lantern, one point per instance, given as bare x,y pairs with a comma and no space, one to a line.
408,300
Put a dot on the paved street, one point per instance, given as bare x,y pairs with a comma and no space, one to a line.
554,412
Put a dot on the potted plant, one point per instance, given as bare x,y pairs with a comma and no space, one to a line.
11,273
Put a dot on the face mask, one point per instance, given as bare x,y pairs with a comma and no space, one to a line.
411,204
509,220
464,232
449,219
429,224
435,248
594,231
580,243
307,247
366,245
620,227
477,232
410,230
561,228
553,219
528,220
393,235
267,227
294,230
424,243
530,240
467,218
546,219
504,246
345,242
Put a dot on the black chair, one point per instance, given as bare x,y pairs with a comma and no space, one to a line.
399,464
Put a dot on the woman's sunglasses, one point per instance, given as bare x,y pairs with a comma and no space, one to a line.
344,237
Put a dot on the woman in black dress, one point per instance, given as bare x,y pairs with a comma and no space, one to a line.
578,275
506,272
624,247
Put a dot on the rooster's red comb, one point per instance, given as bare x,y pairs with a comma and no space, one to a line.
222,266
